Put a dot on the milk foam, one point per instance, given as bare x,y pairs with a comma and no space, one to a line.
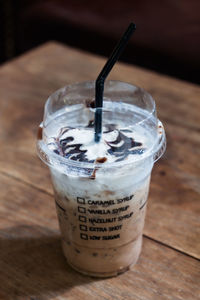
74,140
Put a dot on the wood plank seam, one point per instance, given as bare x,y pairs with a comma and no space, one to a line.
182,125
26,183
170,247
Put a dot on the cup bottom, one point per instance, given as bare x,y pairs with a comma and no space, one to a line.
100,262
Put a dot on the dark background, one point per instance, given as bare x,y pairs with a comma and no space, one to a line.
167,38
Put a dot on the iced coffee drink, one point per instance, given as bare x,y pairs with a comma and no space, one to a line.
101,189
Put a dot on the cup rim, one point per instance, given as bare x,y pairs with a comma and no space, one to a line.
54,160
107,82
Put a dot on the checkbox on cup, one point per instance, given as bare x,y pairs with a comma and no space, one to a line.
83,227
84,236
80,200
81,209
82,219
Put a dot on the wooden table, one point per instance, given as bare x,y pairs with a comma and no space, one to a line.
32,265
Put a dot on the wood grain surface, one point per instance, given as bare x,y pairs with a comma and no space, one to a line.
31,262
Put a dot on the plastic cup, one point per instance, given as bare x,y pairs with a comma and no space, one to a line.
101,207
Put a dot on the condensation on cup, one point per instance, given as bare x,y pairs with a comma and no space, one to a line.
101,189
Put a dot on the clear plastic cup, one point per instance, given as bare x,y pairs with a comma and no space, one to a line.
101,207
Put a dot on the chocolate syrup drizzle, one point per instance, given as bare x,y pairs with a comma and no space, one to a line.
127,146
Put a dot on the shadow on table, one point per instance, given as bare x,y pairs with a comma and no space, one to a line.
32,263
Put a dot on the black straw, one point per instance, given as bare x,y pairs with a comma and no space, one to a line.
99,84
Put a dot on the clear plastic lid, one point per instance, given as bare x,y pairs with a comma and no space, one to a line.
124,104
